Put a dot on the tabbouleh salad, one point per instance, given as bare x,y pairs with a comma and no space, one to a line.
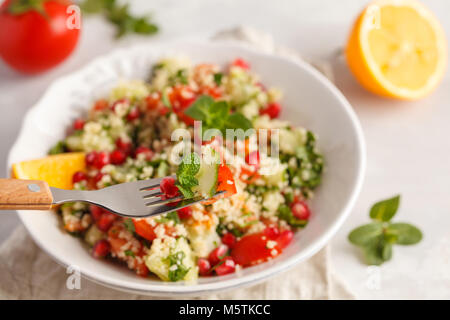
127,137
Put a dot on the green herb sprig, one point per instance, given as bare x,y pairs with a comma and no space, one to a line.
186,172
120,16
216,115
377,238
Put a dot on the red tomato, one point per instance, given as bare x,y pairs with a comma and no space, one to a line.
144,229
272,110
168,187
133,114
78,124
241,63
225,181
32,42
253,158
181,97
146,151
124,145
285,238
253,249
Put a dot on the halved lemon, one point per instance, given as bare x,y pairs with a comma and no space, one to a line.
57,170
397,48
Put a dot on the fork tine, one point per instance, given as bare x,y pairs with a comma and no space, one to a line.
163,201
155,193
144,185
163,208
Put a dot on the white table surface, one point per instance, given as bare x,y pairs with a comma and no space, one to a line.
408,143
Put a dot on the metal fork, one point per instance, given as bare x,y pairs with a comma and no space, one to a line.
132,199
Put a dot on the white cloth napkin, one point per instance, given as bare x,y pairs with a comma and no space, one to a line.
26,272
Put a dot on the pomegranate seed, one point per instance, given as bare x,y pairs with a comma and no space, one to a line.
101,248
123,145
97,178
229,239
90,158
253,158
272,110
96,212
226,266
133,114
78,124
241,63
101,160
144,150
272,232
203,266
300,210
106,220
185,213
285,238
218,254
118,157
168,187
79,176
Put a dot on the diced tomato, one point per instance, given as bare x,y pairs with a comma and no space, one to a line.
79,176
101,248
218,254
272,232
101,104
272,110
225,181
203,266
226,266
118,157
300,209
133,114
229,239
253,249
248,176
285,238
147,231
241,63
169,188
185,118
181,97
144,229
153,101
214,92
141,267
78,124
184,213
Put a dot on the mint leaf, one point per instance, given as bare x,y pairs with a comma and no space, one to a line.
373,252
385,209
386,251
186,172
238,121
363,235
406,234
201,108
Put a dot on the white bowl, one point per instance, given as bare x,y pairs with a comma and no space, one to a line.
310,100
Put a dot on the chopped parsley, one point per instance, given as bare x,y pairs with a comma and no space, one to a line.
285,213
129,225
171,216
180,271
129,253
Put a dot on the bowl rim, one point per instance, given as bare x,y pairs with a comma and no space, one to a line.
225,284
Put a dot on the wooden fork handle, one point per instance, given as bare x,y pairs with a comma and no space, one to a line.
18,194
